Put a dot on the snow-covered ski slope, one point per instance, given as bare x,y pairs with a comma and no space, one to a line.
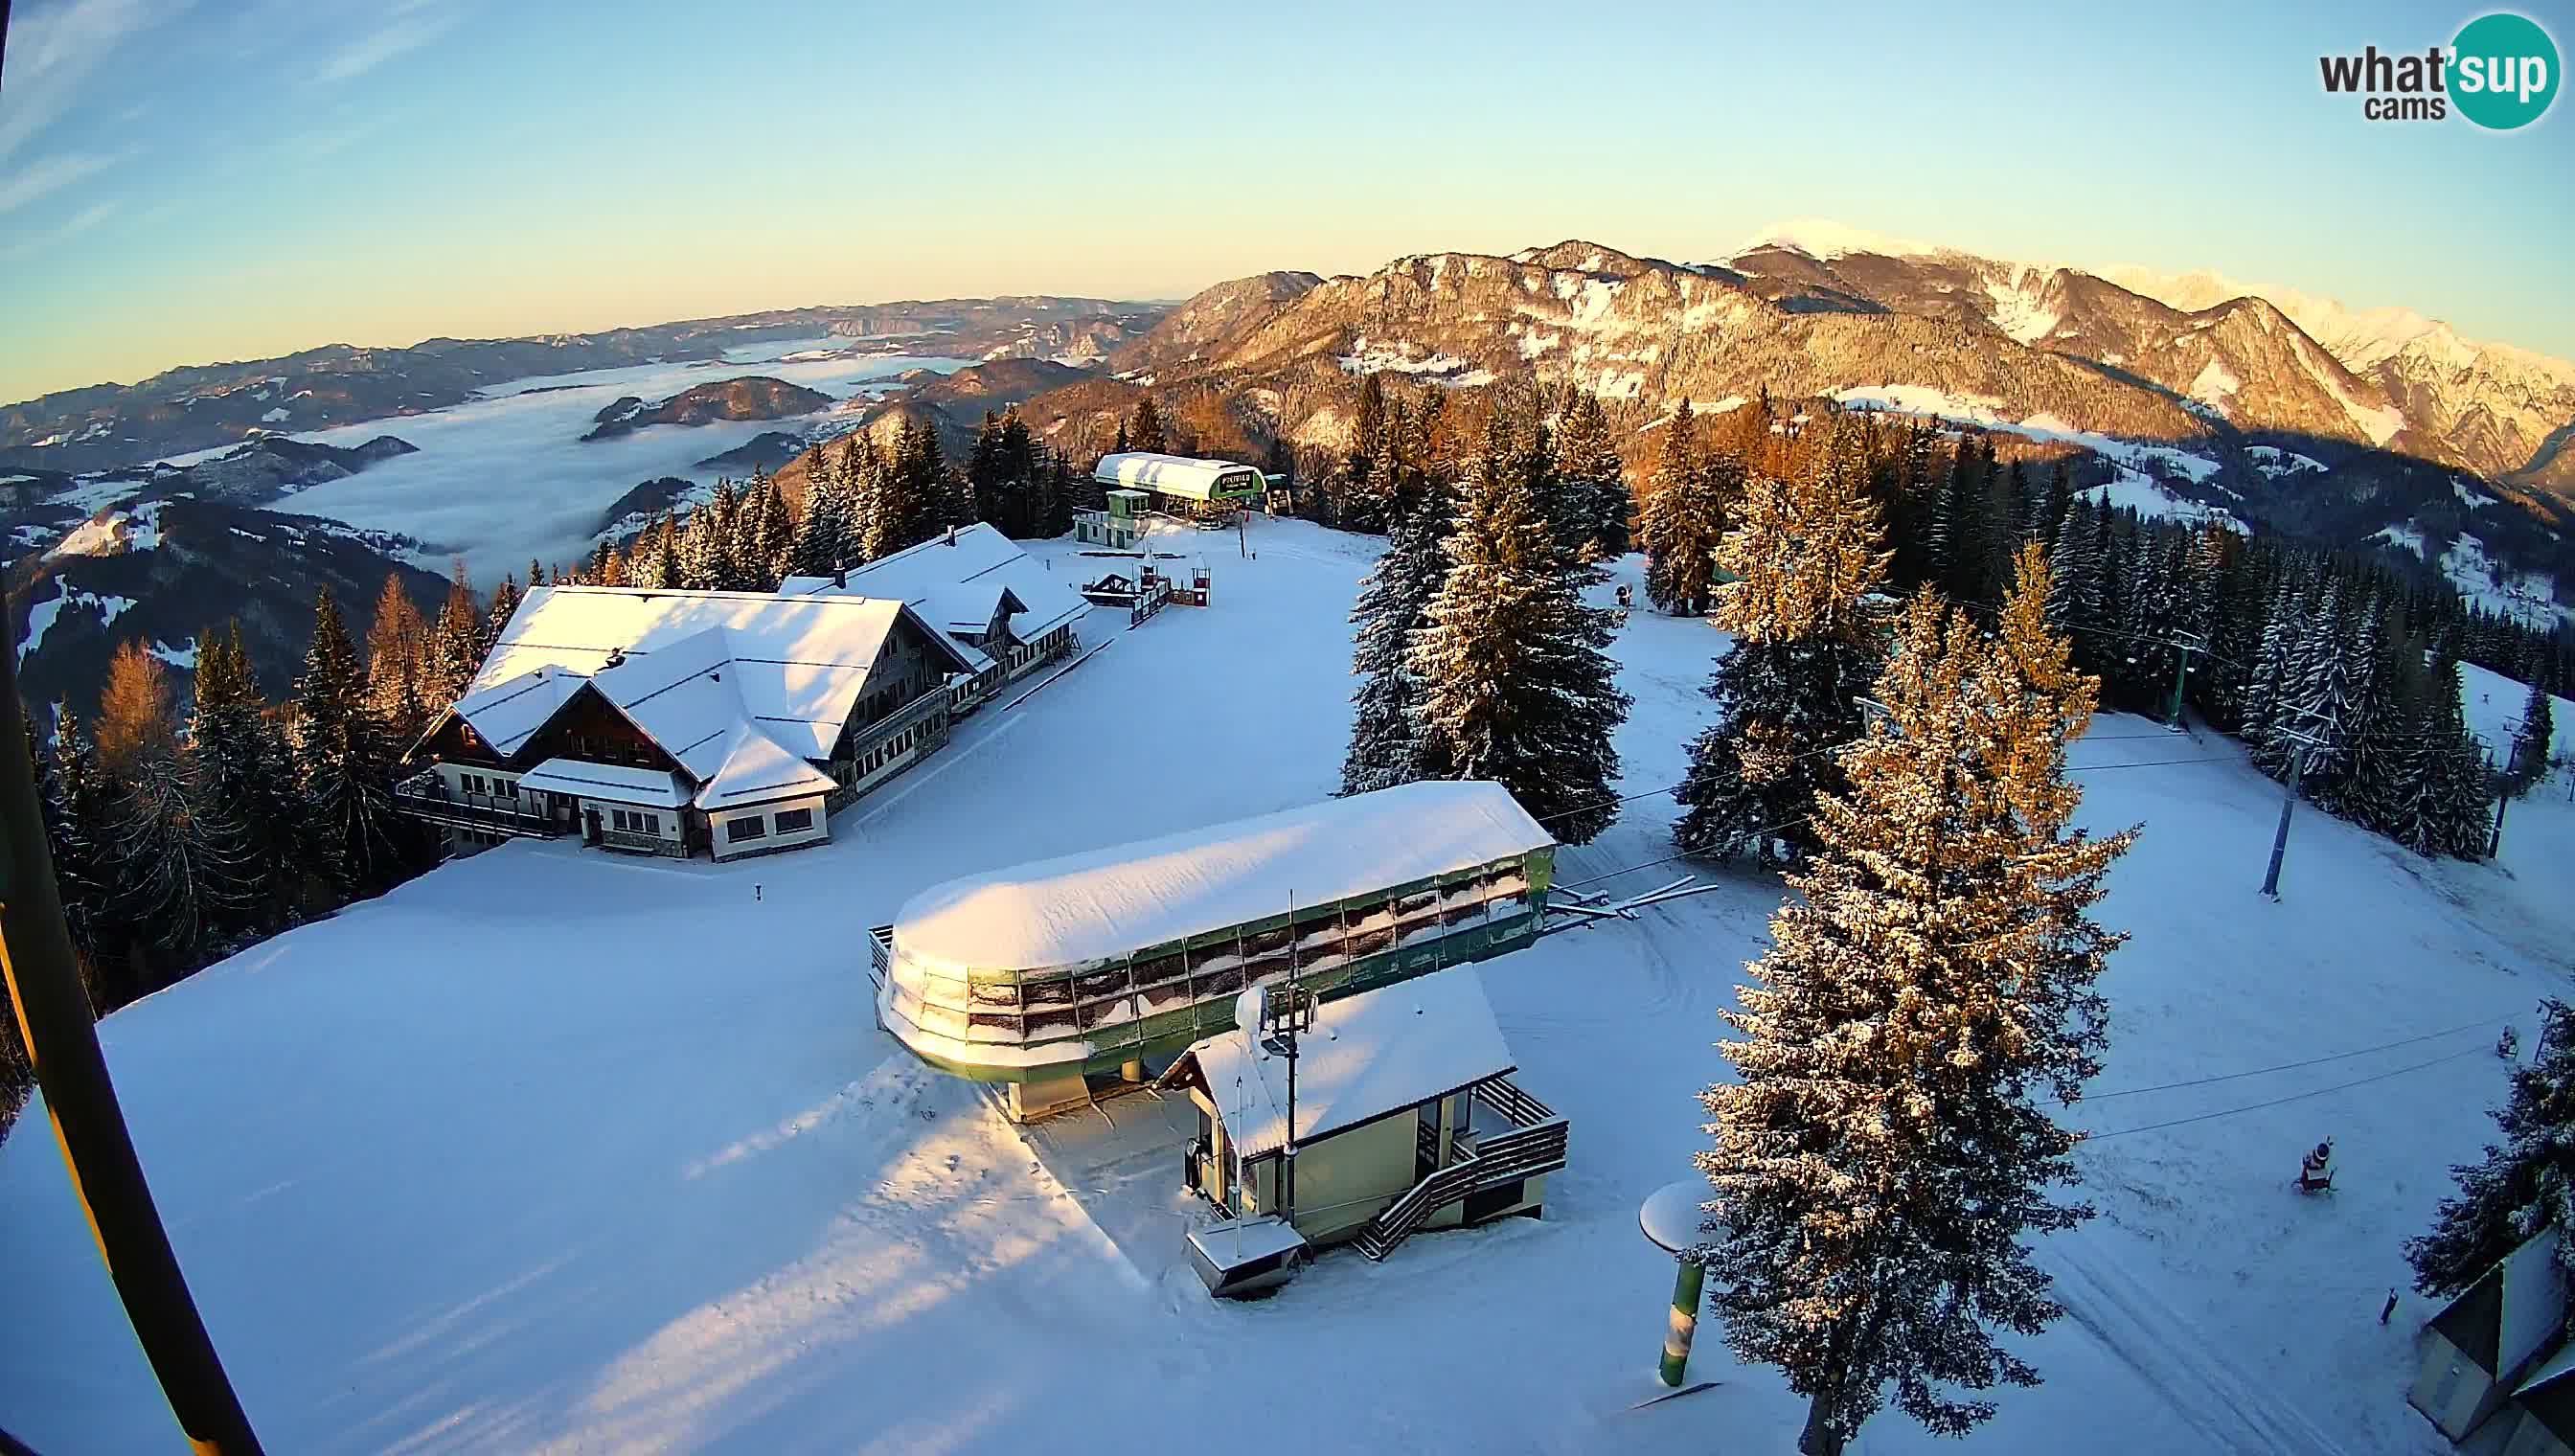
555,1151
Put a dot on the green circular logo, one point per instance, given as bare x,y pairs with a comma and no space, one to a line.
2503,70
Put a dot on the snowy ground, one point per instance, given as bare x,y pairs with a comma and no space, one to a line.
508,475
550,1150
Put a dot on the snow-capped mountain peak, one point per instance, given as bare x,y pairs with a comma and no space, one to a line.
1823,240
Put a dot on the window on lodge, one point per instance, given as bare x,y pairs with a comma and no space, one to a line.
636,821
792,820
749,826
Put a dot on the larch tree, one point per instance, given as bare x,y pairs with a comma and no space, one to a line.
134,725
399,653
1514,684
2521,1186
1807,556
1394,606
1880,1166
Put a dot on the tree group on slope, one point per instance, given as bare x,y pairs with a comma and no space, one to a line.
2299,652
179,839
1477,655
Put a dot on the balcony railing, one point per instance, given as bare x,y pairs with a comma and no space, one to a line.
432,802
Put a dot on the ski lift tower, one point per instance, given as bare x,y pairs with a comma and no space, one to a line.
2322,732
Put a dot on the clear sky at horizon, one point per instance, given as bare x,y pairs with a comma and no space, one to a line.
183,183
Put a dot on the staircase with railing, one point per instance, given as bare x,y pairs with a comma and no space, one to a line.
1535,1145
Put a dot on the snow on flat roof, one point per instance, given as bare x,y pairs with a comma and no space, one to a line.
657,787
1110,901
1238,1241
1369,1055
1172,474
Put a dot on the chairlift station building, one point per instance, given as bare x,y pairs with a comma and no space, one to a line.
1041,975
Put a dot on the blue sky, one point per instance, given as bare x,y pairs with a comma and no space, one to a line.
182,183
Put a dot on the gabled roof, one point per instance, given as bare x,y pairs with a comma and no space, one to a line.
740,688
1371,1054
1172,474
2509,1315
755,770
506,713
959,581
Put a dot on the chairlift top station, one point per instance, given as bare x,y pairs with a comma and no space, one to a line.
1040,974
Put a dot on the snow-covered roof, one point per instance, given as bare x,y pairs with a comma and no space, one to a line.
959,582
1369,1055
1174,475
755,770
1239,1241
2555,1370
652,787
1111,902
2534,1302
507,712
739,686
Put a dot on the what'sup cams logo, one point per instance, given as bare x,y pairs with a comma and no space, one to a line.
2500,72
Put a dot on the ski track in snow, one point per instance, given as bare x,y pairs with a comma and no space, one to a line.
2229,1412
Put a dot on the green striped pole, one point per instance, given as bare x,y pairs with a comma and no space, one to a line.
1677,1340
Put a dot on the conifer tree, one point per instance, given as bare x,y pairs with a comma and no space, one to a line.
1597,504
134,725
397,662
2538,730
456,651
1514,686
1806,554
246,776
360,840
178,863
1685,519
1148,434
75,797
2521,1187
1394,606
822,544
1880,1168
505,604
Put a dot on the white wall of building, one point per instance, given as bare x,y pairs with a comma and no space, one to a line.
802,824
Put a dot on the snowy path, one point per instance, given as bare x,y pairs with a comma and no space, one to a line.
2228,1411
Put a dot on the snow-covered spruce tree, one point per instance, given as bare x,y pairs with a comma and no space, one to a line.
454,653
1685,519
181,864
2538,727
1594,482
1805,556
342,758
75,798
2522,1184
1394,604
246,776
1514,686
1887,1155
